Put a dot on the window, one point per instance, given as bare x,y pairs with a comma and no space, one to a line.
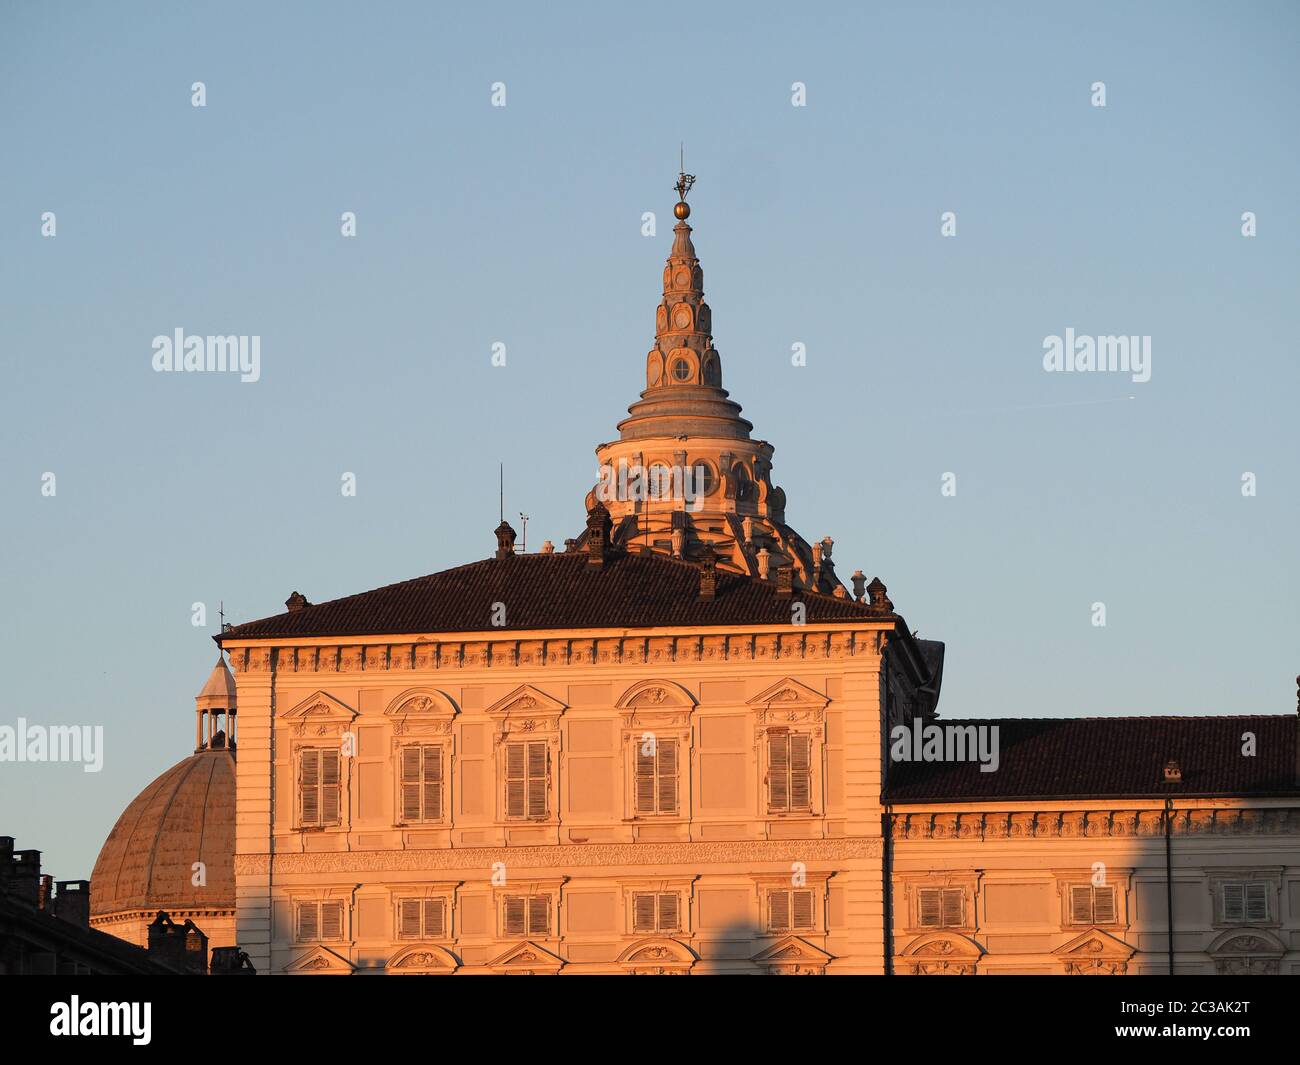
940,908
319,921
421,918
528,915
789,772
319,787
656,911
1092,905
656,776
790,911
421,783
527,773
682,369
1245,902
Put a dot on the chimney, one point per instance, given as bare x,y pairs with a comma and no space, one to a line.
45,894
1173,772
880,602
296,602
181,947
708,575
231,961
859,585
599,524
784,582
22,874
72,904
548,548
505,540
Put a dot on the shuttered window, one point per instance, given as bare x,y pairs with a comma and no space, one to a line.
789,771
1092,905
656,912
1245,902
528,915
319,921
527,772
424,918
940,908
319,787
656,778
790,911
421,783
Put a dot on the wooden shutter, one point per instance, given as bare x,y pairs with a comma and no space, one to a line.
539,914
666,758
669,919
308,923
1080,904
1103,905
778,909
408,923
410,783
643,913
432,783
778,770
645,781
329,787
952,908
803,909
537,779
309,787
929,904
515,920
435,918
331,920
1234,902
800,772
1256,902
516,780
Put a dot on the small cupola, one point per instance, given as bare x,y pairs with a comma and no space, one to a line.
215,707
505,540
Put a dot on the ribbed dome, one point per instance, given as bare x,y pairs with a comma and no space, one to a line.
185,816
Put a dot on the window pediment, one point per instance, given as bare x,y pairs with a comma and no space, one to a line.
941,954
321,705
658,955
423,958
321,961
527,957
656,695
1095,953
793,956
788,702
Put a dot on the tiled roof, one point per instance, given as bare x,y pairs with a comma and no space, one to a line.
636,590
1112,757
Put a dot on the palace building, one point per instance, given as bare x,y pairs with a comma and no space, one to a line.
666,749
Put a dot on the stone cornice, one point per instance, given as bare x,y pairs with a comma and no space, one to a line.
397,656
1080,824
565,856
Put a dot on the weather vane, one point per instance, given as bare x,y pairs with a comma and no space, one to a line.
684,180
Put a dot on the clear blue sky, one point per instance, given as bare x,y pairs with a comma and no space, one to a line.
477,224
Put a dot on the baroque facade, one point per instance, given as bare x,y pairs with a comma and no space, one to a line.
666,749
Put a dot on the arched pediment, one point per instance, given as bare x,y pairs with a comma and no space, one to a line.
658,951
941,954
423,702
1255,942
655,695
423,958
321,705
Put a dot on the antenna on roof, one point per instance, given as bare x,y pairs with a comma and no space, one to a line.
523,546
501,474
221,611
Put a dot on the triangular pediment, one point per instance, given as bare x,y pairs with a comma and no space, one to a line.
526,699
789,693
791,950
321,960
527,956
424,958
322,705
1095,943
655,695
423,702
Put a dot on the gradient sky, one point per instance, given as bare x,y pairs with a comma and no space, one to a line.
477,224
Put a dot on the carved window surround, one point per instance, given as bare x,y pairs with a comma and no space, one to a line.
797,880
422,717
1118,877
1248,951
1270,876
681,886
943,952
321,722
790,707
910,885
526,715
550,887
1095,953
656,711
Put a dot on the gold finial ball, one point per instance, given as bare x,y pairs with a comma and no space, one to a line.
682,210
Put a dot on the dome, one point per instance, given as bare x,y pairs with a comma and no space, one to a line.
185,816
